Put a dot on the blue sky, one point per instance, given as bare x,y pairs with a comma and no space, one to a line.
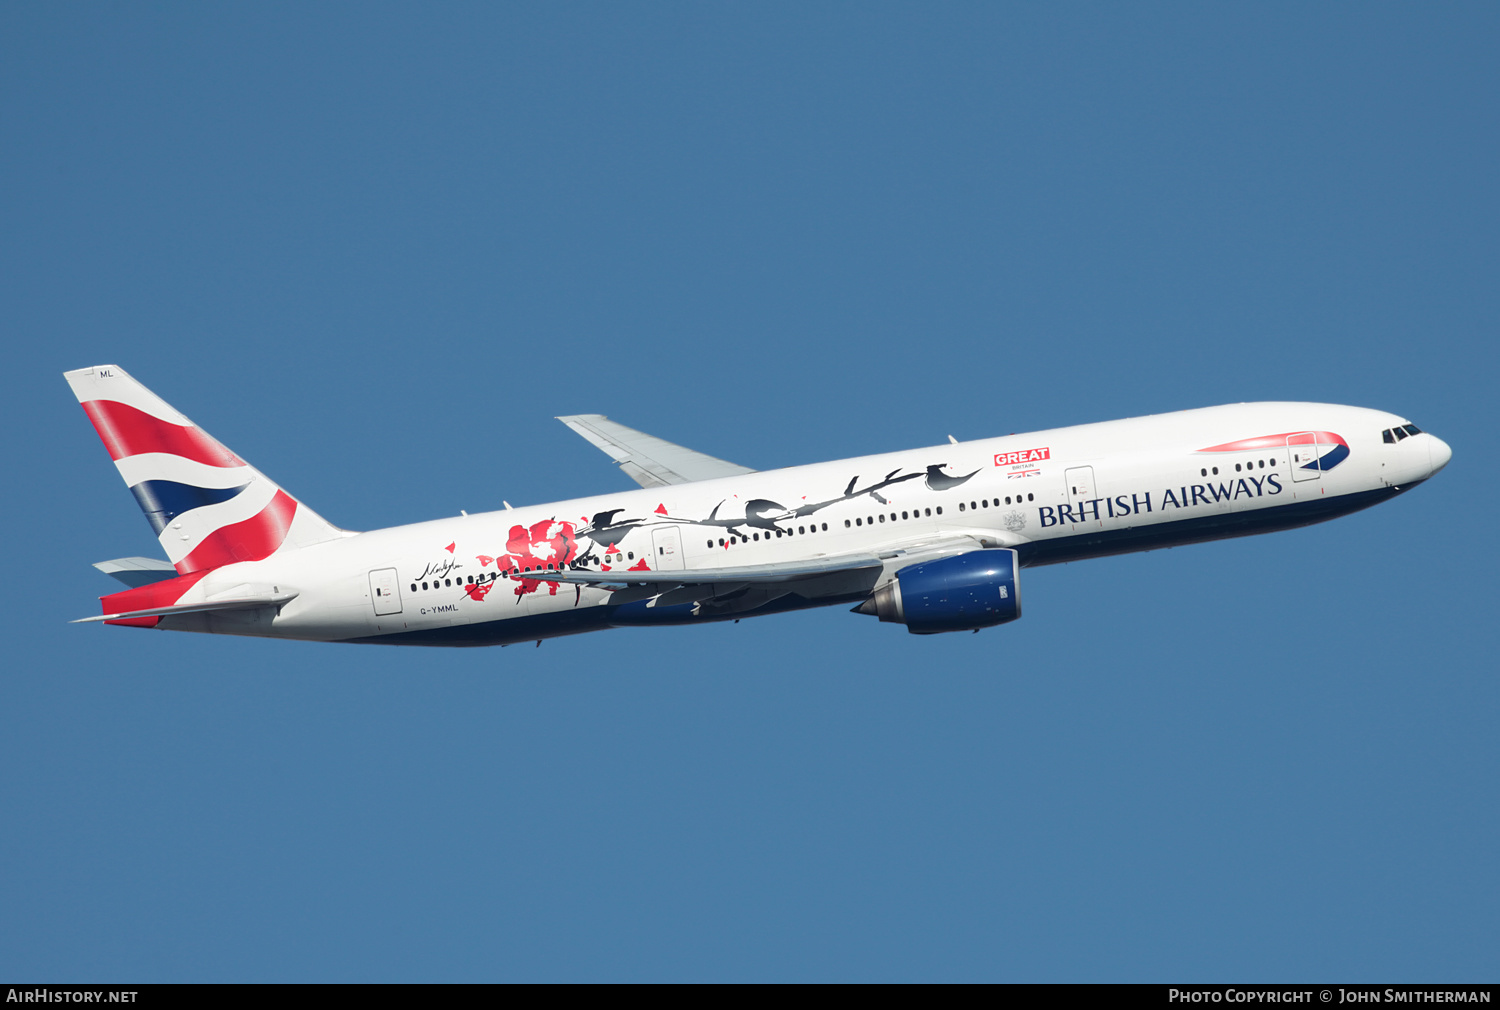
376,248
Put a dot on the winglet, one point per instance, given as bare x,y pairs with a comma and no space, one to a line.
646,459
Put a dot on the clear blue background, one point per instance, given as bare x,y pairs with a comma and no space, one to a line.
375,249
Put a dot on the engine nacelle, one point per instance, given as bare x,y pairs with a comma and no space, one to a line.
966,592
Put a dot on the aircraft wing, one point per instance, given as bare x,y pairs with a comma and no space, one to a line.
646,459
745,574
852,573
840,574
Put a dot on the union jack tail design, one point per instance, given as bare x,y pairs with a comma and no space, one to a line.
207,506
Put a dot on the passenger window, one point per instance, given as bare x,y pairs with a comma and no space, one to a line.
973,504
414,587
1273,460
1216,471
858,521
1203,472
903,515
846,524
1031,497
960,506
940,510
870,520
1236,468
825,527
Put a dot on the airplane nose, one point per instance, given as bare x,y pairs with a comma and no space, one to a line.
1438,453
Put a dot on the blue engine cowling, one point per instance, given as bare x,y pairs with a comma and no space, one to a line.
966,592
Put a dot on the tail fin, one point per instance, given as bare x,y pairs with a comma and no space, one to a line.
207,506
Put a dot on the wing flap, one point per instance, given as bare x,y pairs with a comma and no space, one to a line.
646,459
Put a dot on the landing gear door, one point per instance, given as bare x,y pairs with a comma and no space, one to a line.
667,546
1302,454
385,594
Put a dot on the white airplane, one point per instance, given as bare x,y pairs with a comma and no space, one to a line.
931,538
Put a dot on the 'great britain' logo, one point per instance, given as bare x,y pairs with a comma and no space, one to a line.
1023,456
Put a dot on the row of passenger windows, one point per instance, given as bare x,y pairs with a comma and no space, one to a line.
802,530
1240,468
484,577
1394,435
923,513
487,577
872,520
985,502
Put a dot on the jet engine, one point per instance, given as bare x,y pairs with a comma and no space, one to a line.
962,593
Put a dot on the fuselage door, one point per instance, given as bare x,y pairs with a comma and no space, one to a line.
667,543
1080,481
1302,453
385,594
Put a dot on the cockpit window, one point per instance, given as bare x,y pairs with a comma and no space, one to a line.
1412,429
1388,436
1400,433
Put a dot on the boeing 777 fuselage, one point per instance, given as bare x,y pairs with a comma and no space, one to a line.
931,538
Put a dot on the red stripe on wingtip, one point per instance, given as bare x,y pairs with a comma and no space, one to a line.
256,538
127,431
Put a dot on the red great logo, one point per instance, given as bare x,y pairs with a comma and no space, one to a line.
1023,456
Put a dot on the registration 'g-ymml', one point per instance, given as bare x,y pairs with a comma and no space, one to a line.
931,538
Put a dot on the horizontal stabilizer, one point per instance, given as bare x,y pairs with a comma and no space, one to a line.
240,603
137,572
646,459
